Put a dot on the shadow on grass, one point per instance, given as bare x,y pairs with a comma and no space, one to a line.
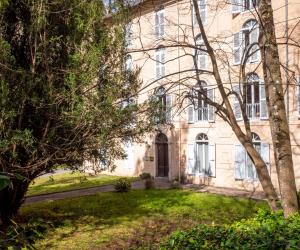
105,211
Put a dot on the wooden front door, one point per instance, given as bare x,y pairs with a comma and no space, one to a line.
162,156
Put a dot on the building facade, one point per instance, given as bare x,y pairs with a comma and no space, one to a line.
192,143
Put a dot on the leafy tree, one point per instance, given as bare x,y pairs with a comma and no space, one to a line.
62,92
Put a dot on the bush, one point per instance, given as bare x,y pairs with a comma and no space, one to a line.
175,184
149,183
123,185
266,231
145,176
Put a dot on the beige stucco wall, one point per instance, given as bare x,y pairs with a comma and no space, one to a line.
221,25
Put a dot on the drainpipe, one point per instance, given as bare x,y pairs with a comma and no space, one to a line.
178,54
287,59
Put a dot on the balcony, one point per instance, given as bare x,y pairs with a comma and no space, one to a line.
253,110
202,114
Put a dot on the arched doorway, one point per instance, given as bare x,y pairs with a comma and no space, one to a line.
162,156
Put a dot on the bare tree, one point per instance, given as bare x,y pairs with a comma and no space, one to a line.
228,88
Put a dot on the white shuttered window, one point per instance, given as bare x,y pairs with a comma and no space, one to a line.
160,62
160,23
243,165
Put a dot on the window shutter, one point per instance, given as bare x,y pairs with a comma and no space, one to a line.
236,104
254,39
169,108
263,101
157,59
237,47
265,154
156,24
212,160
239,161
202,60
190,112
161,23
211,109
237,6
162,64
191,159
202,10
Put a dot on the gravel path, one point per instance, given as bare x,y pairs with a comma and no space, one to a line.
160,183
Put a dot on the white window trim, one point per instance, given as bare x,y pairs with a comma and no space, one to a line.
241,47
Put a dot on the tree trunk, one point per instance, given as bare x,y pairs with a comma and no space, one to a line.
276,106
260,166
264,177
11,199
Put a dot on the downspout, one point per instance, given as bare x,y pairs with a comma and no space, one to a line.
287,60
179,76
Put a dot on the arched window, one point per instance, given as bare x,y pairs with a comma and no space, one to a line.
201,157
201,56
199,109
256,105
160,62
202,161
253,96
245,43
244,167
250,171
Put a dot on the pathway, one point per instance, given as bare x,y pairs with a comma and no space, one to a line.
160,183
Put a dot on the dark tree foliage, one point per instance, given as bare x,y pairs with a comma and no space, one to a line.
62,85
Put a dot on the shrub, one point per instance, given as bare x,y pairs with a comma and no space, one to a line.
149,183
175,184
266,231
123,185
145,176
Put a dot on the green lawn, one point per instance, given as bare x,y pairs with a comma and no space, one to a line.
69,181
135,220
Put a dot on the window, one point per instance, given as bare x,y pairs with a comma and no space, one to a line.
198,108
243,5
160,23
110,6
201,56
255,96
160,62
201,157
244,167
245,43
164,105
203,13
128,35
129,160
128,63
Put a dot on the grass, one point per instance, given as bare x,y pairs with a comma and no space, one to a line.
69,181
139,219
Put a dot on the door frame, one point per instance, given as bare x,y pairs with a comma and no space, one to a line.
166,142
